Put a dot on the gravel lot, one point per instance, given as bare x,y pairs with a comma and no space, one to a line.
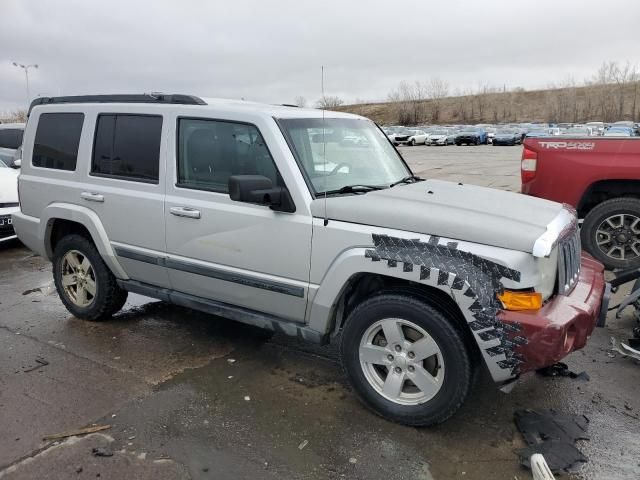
189,395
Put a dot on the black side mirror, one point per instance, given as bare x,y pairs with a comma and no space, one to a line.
259,189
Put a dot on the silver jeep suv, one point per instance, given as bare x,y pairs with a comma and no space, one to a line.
307,223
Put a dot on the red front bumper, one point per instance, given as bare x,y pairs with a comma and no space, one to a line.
564,323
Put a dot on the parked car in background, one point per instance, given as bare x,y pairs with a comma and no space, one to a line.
8,200
507,136
577,132
417,137
600,178
491,132
441,137
10,142
471,136
619,132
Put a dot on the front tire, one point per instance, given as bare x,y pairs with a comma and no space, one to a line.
405,360
85,284
611,233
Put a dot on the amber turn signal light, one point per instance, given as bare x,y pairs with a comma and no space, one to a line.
520,300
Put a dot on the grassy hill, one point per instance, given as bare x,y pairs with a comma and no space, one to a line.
608,102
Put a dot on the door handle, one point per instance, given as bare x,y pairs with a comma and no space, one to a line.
185,212
92,197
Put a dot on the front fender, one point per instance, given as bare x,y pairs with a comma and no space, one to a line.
470,280
87,218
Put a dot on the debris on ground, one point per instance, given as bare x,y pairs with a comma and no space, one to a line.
553,435
41,362
231,360
625,350
303,444
247,398
102,452
75,433
539,468
32,290
561,369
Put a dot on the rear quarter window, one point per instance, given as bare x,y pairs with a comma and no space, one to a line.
57,141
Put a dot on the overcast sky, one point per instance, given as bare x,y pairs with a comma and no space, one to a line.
268,50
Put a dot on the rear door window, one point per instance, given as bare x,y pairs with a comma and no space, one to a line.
127,147
57,141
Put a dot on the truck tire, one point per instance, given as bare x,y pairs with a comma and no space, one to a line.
405,360
611,233
85,284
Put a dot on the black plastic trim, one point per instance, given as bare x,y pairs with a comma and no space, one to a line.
232,312
176,99
211,272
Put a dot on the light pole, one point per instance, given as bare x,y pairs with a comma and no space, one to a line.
26,76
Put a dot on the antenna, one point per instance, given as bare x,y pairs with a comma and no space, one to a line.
324,146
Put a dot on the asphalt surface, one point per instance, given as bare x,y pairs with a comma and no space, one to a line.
188,395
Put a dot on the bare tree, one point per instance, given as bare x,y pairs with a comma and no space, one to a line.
436,90
408,100
329,101
14,116
300,101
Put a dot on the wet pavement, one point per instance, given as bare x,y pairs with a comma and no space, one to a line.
188,395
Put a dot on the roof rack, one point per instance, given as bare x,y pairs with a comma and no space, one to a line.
121,98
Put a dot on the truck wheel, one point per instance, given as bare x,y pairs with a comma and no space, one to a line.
611,233
405,360
85,284
412,142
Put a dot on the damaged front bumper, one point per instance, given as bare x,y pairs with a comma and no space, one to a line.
564,323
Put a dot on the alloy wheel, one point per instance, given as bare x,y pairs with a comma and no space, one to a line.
78,278
618,236
401,361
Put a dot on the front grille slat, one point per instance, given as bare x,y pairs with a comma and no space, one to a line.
8,205
568,261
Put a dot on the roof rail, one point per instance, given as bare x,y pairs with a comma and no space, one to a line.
121,98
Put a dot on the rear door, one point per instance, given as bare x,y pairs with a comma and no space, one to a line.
237,253
125,187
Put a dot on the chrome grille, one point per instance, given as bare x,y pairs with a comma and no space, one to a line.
568,261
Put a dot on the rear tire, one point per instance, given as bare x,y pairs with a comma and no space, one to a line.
611,230
383,369
85,284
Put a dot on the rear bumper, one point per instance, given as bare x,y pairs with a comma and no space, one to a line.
28,228
565,323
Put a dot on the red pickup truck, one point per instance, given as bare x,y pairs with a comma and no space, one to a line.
600,178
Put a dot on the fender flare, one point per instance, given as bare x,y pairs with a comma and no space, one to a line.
88,219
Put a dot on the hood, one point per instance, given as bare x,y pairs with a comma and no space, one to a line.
8,185
505,135
468,134
437,137
461,212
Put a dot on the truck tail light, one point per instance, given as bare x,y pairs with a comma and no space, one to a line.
529,165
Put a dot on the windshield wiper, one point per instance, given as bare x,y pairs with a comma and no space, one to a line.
352,189
408,179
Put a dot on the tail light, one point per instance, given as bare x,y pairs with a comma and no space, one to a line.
529,165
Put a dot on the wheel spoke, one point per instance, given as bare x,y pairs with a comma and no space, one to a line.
634,247
85,265
613,249
374,354
613,225
90,286
424,348
393,384
426,382
393,332
81,296
68,280
73,261
634,225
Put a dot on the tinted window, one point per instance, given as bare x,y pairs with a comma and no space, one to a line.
210,151
127,146
57,140
10,138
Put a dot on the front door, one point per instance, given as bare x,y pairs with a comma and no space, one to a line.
238,253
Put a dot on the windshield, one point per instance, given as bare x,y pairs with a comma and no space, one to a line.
506,131
439,132
332,160
2,165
